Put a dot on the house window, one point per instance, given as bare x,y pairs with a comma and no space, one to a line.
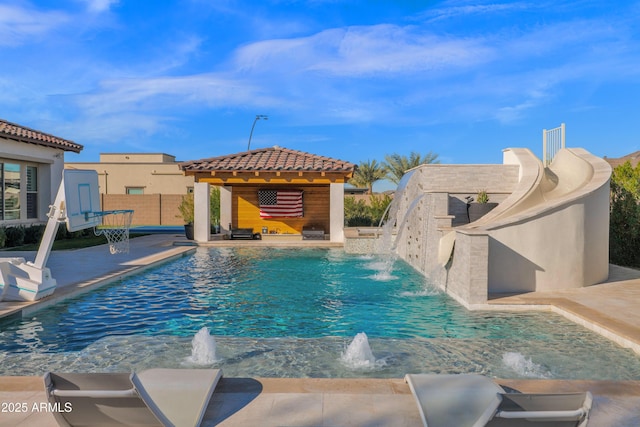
32,192
18,191
135,190
10,187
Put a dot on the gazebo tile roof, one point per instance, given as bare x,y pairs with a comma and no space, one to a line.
269,159
24,134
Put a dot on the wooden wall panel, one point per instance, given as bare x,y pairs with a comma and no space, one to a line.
246,212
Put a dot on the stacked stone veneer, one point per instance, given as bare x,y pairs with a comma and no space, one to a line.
442,191
550,230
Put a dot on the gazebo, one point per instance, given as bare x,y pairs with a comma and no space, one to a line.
277,192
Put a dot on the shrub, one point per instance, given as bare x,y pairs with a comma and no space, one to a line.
356,213
186,209
3,237
33,234
62,233
624,232
15,236
482,197
378,206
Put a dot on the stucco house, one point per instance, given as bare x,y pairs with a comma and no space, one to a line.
31,164
151,184
138,173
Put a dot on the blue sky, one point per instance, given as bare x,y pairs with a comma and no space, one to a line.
349,79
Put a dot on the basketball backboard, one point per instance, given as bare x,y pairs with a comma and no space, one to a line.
82,199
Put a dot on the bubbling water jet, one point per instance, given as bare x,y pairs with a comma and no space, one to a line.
203,348
358,354
524,366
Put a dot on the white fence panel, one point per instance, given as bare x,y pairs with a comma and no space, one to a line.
552,141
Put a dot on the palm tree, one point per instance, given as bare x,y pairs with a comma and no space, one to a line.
367,173
396,165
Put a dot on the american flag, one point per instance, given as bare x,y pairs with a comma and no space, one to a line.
280,203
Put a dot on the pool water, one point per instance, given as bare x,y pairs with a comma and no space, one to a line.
277,312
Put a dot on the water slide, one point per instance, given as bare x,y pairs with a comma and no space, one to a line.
552,231
572,174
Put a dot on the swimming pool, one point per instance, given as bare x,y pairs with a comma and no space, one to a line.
278,312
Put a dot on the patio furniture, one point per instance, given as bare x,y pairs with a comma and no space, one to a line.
155,397
242,233
470,400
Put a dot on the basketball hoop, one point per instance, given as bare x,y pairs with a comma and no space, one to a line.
115,226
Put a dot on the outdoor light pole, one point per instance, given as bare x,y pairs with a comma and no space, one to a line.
258,117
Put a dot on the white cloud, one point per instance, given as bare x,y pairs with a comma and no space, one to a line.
19,25
453,11
158,94
360,74
99,6
361,51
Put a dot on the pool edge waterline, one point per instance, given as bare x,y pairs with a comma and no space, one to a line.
124,267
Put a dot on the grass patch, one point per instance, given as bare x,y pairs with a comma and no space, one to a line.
77,243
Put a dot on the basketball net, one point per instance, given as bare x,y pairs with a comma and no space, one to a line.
115,227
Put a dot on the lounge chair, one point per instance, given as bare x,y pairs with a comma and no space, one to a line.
155,397
470,400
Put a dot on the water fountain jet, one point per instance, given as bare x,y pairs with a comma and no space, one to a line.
358,354
203,348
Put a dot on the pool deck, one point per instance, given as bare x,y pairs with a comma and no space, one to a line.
609,308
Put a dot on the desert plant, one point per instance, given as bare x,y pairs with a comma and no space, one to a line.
378,206
214,206
367,174
356,213
396,165
186,208
482,197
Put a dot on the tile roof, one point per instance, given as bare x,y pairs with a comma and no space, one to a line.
19,133
634,158
269,159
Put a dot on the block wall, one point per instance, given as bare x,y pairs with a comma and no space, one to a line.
148,209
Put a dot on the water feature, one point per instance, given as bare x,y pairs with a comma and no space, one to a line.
203,348
403,224
391,212
276,312
524,366
358,354
392,229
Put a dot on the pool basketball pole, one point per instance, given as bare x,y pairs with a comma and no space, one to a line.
77,196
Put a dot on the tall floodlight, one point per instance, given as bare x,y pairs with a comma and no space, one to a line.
258,117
